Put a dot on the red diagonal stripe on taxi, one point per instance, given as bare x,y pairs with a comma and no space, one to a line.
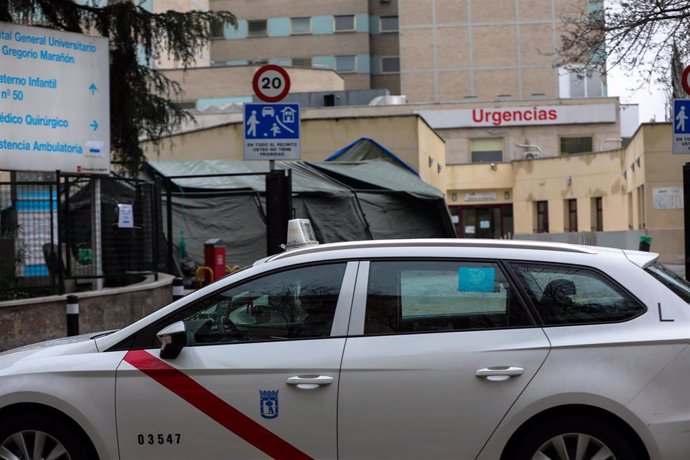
188,389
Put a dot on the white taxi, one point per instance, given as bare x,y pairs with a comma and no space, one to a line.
402,349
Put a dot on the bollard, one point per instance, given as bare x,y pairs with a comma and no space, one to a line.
645,243
177,289
72,310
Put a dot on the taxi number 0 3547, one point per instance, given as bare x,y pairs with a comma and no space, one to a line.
159,438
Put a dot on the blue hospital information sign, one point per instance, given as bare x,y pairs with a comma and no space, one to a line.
271,132
54,101
681,126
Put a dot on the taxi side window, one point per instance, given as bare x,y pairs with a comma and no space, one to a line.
564,294
435,296
293,304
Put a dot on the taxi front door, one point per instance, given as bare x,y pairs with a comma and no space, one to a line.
241,400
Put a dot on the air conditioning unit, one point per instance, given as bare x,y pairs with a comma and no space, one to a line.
531,155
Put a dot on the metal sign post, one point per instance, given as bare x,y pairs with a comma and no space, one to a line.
272,132
681,145
686,217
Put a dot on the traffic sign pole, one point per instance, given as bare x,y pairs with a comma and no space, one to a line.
686,217
272,131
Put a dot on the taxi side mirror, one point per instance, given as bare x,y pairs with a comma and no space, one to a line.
173,339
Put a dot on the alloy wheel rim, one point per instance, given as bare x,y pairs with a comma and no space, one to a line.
574,446
32,445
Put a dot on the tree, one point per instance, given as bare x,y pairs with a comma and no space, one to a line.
141,98
674,85
630,34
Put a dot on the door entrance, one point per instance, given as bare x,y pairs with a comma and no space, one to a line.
486,221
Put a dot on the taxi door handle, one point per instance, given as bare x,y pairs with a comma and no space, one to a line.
499,373
310,382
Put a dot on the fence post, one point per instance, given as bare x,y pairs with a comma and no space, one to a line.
177,289
72,310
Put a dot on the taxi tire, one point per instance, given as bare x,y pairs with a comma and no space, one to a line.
66,432
604,431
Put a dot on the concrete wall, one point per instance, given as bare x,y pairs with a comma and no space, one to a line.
33,320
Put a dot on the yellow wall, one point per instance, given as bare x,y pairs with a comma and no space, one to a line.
625,179
431,146
408,136
659,168
580,177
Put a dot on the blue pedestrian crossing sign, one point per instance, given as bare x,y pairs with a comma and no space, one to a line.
681,126
271,132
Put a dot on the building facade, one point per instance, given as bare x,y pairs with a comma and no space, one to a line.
428,50
455,50
357,38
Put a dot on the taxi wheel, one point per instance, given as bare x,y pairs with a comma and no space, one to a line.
574,436
37,437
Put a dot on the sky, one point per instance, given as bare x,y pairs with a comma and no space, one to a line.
650,97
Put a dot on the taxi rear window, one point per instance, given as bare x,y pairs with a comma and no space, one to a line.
671,280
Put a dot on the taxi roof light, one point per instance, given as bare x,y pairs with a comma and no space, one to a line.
300,234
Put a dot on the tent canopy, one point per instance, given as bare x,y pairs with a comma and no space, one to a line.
367,149
344,200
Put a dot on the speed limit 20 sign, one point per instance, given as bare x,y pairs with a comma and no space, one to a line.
271,83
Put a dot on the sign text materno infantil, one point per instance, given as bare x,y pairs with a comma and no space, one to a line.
54,101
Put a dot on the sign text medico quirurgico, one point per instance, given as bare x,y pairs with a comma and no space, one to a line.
54,101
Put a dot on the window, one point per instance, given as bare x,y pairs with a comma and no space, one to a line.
542,212
344,23
345,63
577,83
293,304
671,280
300,26
390,64
571,215
301,62
389,24
576,144
435,296
256,28
575,295
486,150
597,215
217,29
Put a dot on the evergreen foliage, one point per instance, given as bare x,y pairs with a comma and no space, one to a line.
141,98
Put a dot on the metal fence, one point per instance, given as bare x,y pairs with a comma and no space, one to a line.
109,228
71,232
28,233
